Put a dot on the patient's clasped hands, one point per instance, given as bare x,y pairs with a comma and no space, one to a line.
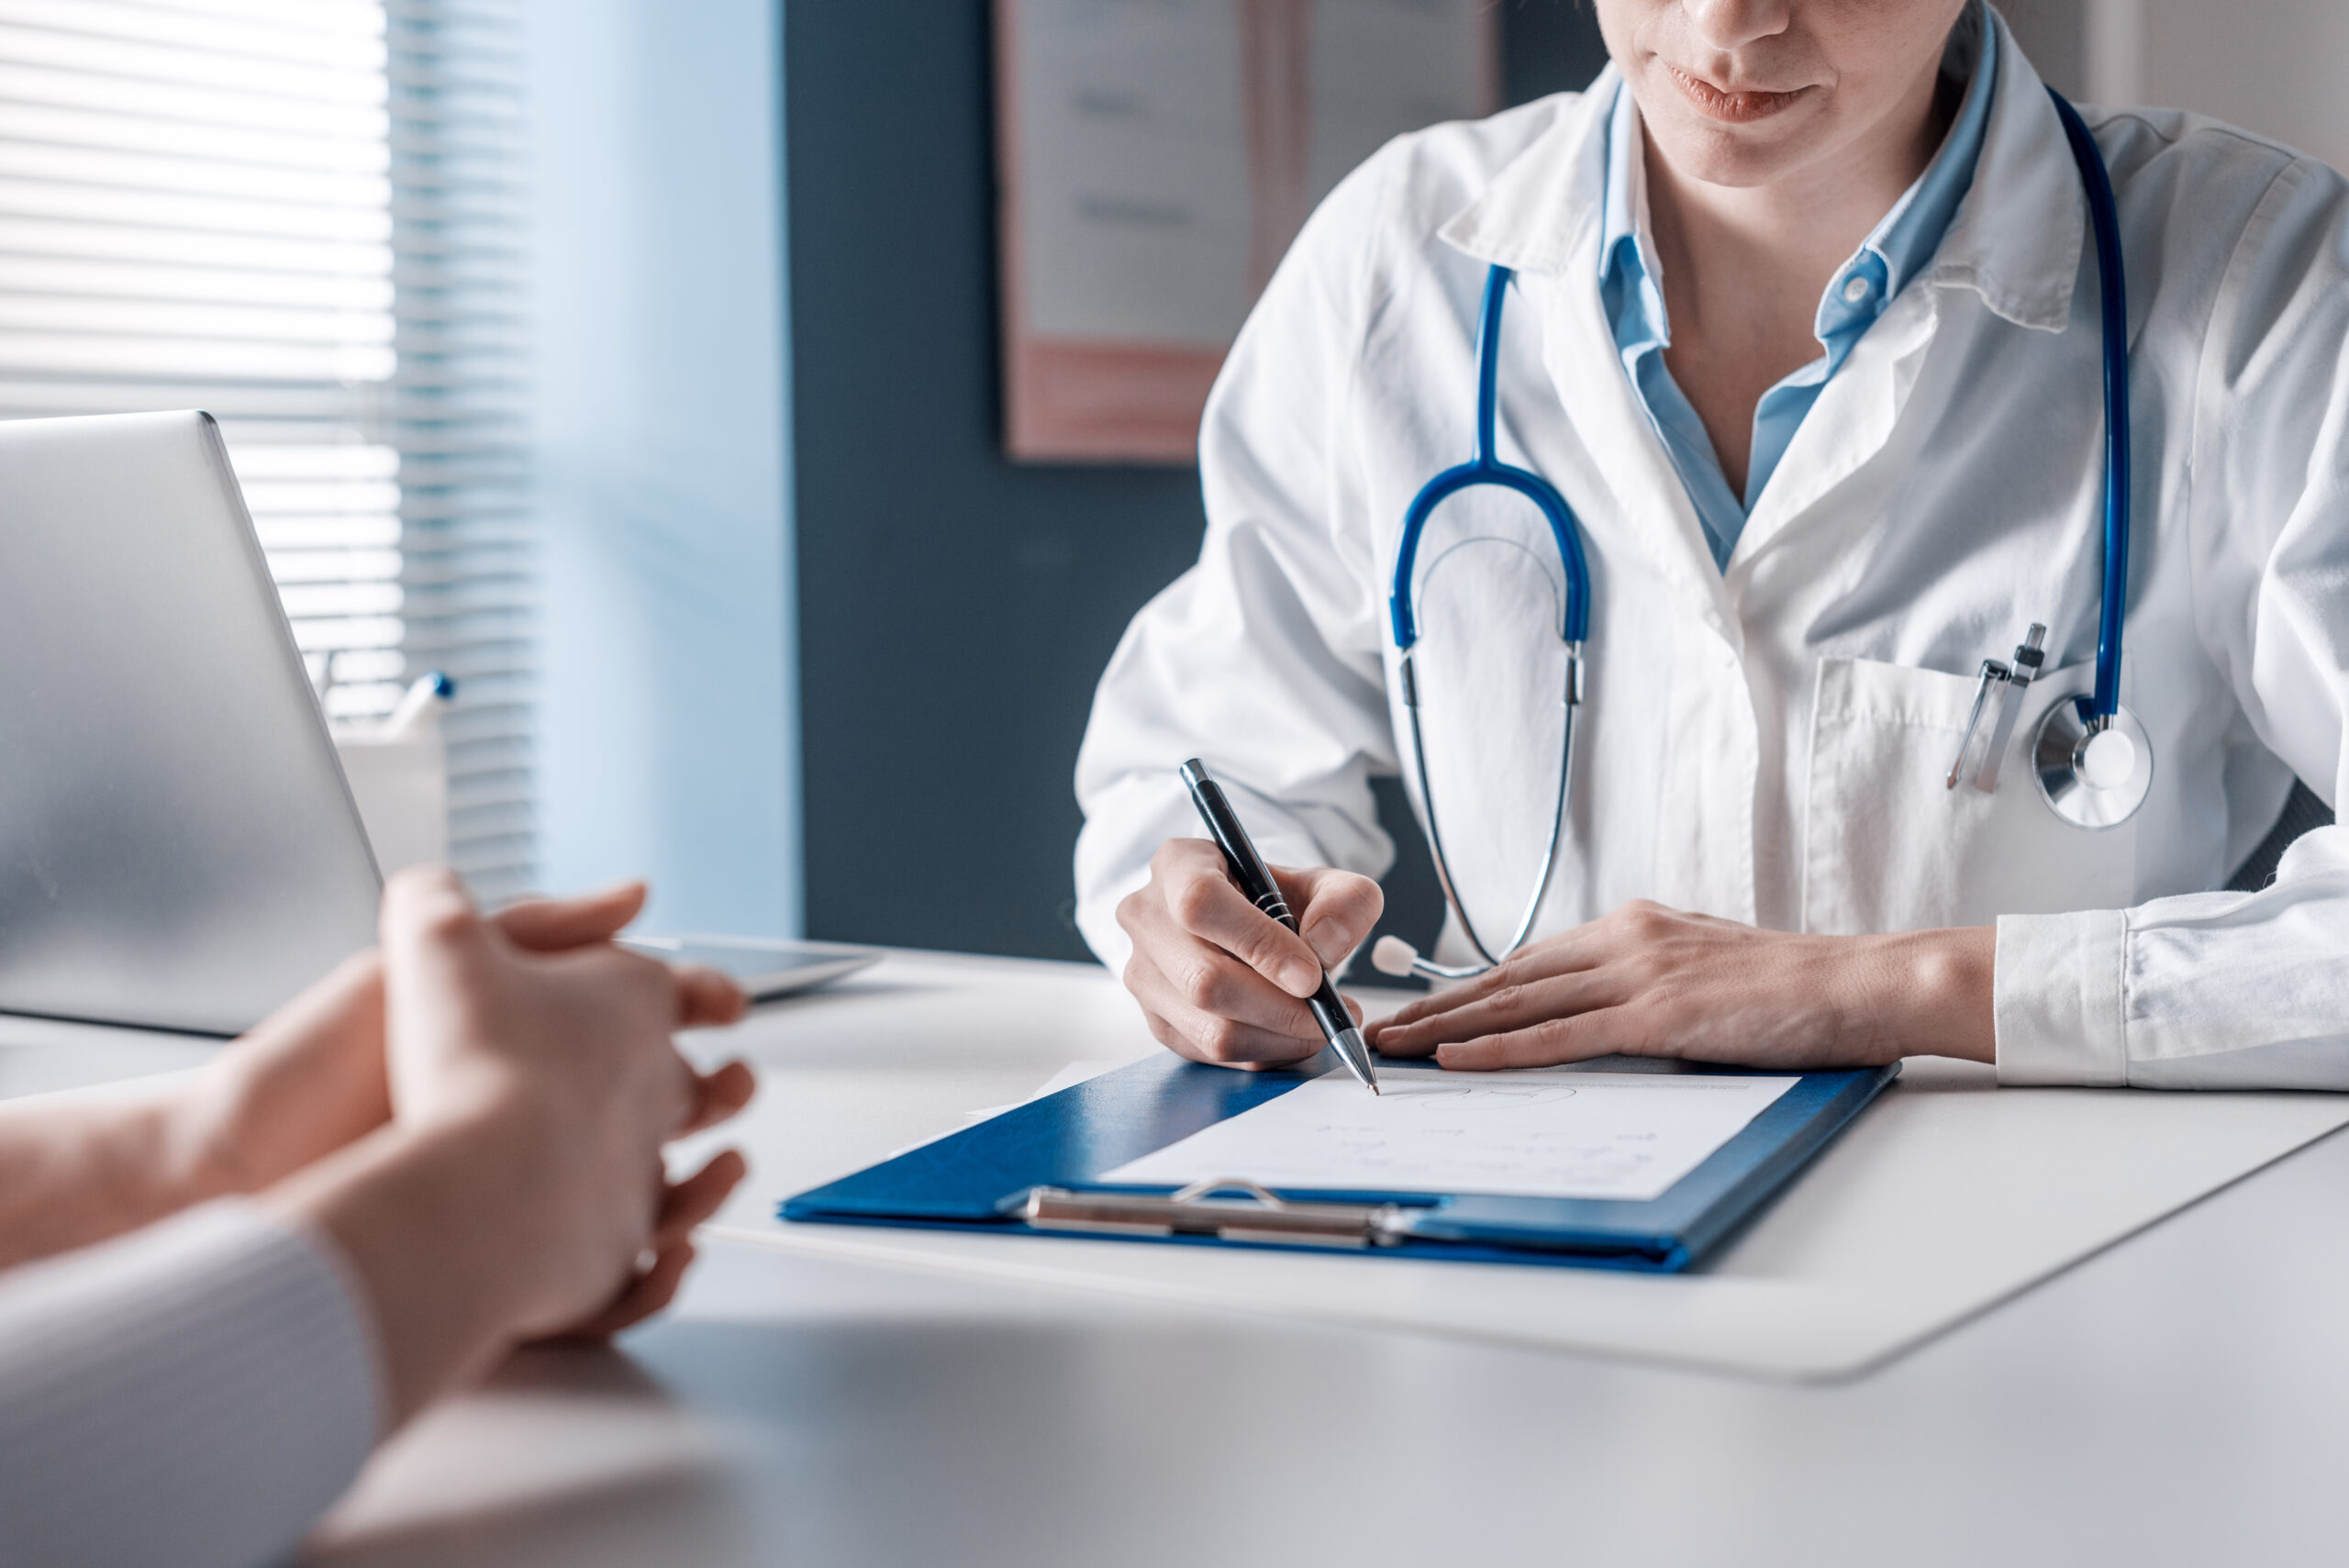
451,1144
504,1087
471,1118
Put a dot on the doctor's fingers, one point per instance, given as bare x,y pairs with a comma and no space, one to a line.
1187,976
1191,900
1605,1031
1500,1010
1579,951
1220,1042
1335,909
1221,1012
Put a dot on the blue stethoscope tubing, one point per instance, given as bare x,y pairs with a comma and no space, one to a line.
2099,709
2104,220
1487,469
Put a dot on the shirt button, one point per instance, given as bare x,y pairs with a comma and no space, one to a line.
1856,290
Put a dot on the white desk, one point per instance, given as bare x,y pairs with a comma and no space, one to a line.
2183,1399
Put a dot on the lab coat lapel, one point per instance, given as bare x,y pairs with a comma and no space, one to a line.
1540,216
1641,505
1849,425
2015,240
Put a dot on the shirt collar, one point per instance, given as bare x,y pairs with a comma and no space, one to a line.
2018,247
2017,235
1913,230
1901,244
1626,238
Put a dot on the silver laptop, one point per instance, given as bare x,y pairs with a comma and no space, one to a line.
178,847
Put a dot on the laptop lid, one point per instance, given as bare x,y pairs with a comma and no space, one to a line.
178,847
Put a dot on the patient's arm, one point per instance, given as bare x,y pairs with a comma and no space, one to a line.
81,1168
306,1082
196,1392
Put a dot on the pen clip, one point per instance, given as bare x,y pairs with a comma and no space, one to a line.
1992,672
2013,680
2027,659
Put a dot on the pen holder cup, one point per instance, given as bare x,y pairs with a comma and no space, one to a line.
402,789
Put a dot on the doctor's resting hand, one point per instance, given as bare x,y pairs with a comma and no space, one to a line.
1648,981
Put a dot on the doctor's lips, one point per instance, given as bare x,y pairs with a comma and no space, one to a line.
1720,104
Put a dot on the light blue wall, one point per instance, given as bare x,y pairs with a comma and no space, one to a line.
668,729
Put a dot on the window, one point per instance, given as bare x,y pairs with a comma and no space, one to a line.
303,216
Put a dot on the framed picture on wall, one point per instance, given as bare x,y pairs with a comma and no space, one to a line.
1156,157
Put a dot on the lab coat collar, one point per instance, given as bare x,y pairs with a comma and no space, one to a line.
2015,239
1542,206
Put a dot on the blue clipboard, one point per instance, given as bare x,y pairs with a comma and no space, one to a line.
1036,1169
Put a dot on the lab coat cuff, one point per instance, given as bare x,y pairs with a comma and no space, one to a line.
2057,998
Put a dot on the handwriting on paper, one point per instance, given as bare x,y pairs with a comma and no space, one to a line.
1542,1132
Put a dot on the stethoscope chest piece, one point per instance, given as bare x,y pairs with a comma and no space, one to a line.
2092,774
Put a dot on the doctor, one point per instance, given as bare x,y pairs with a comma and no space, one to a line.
1798,309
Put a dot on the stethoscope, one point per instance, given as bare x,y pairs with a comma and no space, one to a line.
2090,758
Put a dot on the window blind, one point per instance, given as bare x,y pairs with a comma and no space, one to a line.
301,215
458,414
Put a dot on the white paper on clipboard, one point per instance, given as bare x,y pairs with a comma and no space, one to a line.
1528,1132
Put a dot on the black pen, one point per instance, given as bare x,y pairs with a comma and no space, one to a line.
1256,879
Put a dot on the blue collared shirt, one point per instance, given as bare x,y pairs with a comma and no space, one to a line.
1631,291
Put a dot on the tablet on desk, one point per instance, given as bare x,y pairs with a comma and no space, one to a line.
765,968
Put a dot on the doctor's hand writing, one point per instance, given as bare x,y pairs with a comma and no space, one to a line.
1648,981
1220,980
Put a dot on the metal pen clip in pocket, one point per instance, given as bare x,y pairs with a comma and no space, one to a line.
2012,681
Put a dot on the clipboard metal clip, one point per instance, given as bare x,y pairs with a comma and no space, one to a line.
1262,1215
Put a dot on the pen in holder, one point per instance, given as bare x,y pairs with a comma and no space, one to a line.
398,772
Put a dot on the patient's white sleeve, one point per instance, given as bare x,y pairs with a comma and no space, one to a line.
194,1394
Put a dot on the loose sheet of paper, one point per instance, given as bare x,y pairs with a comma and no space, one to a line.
1541,1132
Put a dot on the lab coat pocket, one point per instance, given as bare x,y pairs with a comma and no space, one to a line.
1890,848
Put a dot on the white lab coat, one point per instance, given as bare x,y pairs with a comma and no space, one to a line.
1768,743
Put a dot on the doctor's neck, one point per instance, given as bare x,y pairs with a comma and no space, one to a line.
1777,134
1780,132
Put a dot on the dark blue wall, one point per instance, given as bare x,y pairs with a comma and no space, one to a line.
955,610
